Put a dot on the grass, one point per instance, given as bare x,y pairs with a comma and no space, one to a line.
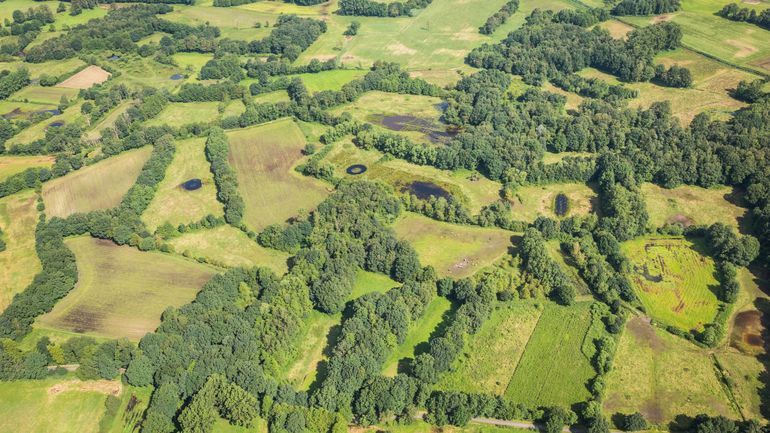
121,291
180,113
99,186
19,262
43,95
264,158
10,165
37,131
662,376
330,80
490,356
53,67
272,97
553,369
453,250
553,158
319,329
685,295
474,192
536,200
108,121
684,204
419,334
54,405
745,374
228,246
368,282
176,205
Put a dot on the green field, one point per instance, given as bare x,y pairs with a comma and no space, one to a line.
319,330
661,376
368,282
181,113
490,356
229,246
176,205
37,131
674,280
536,200
10,165
43,95
19,262
264,158
99,186
553,369
329,80
453,250
113,299
684,205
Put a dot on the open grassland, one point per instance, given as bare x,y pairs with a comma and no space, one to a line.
553,158
52,67
674,280
121,291
99,186
368,282
662,376
745,374
685,205
43,95
617,29
474,192
320,330
176,205
234,23
453,250
10,165
536,200
739,43
228,246
553,369
330,80
37,131
19,262
55,405
264,158
181,113
272,97
140,72
418,334
490,356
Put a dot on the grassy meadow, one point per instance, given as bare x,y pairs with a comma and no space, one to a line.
320,328
19,262
684,205
536,200
99,186
121,291
10,165
329,80
180,113
264,158
674,280
453,250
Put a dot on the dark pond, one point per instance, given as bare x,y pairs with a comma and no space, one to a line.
356,169
562,205
54,112
56,124
192,184
113,57
177,77
425,190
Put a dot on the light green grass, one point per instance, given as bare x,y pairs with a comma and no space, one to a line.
685,297
108,121
10,165
745,374
53,67
99,186
319,329
330,80
453,250
180,113
43,95
272,97
368,282
685,205
228,246
19,262
536,200
121,291
662,376
71,115
553,369
191,62
264,158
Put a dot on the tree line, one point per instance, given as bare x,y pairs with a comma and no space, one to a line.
735,13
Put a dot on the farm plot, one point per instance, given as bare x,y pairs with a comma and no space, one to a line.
176,204
490,356
228,246
684,205
674,281
453,250
264,158
10,165
19,262
662,376
99,186
329,80
71,115
181,113
43,95
537,200
86,78
553,369
121,291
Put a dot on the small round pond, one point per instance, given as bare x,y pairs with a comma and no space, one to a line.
356,169
562,205
57,124
176,77
192,184
426,190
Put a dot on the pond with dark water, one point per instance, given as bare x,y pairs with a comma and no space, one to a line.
56,124
176,77
425,190
435,131
562,205
192,184
356,169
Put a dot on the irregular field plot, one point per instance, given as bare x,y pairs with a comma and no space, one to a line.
685,205
37,131
320,328
10,165
43,95
674,281
99,186
453,250
490,356
86,78
19,262
553,369
54,405
330,80
229,246
180,113
746,374
264,158
176,205
53,67
536,200
121,291
662,376
368,282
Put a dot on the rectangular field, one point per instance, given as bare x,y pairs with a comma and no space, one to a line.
674,280
264,158
329,80
121,291
10,165
99,186
320,330
180,113
86,78
553,369
19,262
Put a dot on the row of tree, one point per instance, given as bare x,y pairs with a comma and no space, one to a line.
499,18
733,12
371,8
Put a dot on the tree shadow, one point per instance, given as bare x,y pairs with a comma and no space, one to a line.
405,364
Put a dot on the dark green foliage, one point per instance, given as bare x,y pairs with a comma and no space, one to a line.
633,422
538,264
352,29
675,76
733,12
645,7
728,247
290,36
10,82
370,8
499,18
750,91
594,87
555,418
15,364
217,151
226,67
218,398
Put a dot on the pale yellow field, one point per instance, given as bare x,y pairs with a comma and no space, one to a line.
19,262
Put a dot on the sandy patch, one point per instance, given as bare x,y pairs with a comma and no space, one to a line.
744,49
663,18
401,49
109,387
86,78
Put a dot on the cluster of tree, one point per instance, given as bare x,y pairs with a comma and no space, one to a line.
457,408
581,17
539,265
77,6
750,91
219,398
257,68
675,76
597,88
30,21
646,7
217,151
29,178
225,67
733,12
297,419
592,261
100,99
352,29
624,213
372,8
11,82
291,36
499,18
